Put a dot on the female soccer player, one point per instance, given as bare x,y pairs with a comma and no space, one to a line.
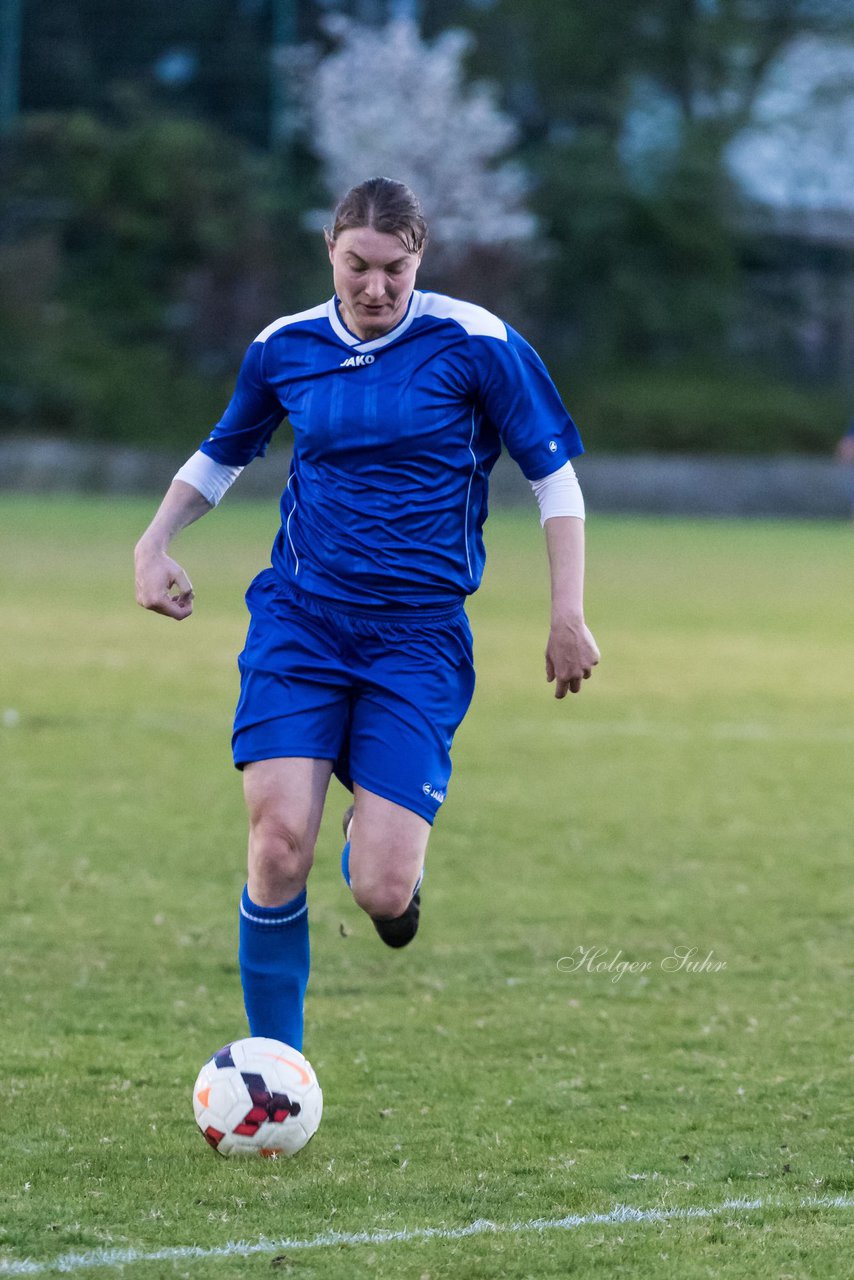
358,658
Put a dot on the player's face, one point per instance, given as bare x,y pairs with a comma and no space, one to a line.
374,277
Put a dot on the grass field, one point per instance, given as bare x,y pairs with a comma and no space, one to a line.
697,794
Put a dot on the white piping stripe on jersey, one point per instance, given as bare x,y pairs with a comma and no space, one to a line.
477,321
288,523
331,312
468,494
394,333
372,344
277,919
313,313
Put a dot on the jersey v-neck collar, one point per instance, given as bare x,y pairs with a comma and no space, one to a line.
373,344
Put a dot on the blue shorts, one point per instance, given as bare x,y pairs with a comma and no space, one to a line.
382,697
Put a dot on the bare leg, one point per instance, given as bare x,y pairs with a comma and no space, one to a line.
387,848
285,802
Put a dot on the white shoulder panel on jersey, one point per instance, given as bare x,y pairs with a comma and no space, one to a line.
474,319
314,313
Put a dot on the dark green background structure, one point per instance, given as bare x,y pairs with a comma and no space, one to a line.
155,187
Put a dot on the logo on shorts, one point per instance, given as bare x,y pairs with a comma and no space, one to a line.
356,362
433,792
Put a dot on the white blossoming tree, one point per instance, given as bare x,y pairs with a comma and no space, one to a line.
387,102
797,153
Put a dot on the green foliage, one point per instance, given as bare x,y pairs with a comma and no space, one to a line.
696,793
145,240
561,66
650,271
172,246
686,409
90,387
76,56
646,258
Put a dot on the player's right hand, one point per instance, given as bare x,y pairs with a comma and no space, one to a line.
162,585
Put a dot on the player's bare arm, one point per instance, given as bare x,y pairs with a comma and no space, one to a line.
571,652
161,583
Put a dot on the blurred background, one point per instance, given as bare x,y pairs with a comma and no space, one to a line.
658,193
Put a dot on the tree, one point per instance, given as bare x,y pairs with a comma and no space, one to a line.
625,121
385,101
157,249
797,152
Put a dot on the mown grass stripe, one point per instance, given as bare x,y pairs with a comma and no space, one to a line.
620,1215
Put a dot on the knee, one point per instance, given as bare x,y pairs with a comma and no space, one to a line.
382,899
279,853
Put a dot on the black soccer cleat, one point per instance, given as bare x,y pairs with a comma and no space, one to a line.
400,931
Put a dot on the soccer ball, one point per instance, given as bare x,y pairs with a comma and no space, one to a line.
257,1097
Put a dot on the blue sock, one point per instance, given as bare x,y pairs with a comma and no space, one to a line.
274,964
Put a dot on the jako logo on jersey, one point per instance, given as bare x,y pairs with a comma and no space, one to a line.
356,362
552,446
433,793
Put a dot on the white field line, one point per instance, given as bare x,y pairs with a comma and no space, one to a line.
620,1215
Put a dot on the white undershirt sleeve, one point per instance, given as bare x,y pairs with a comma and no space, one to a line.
212,479
559,494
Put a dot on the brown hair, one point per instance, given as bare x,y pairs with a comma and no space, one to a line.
385,205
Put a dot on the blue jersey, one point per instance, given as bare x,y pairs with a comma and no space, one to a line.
394,440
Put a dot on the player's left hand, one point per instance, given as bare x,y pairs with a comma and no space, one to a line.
571,655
